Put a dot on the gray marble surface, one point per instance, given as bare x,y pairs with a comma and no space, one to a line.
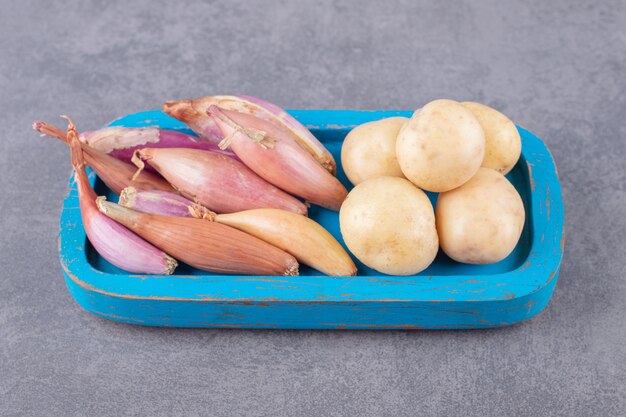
557,68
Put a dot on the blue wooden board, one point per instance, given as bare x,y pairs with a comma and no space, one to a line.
447,295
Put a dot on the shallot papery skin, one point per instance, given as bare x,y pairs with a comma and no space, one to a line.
163,203
111,240
220,183
193,112
116,174
204,244
271,152
122,142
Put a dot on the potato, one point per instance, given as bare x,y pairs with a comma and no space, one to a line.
369,150
502,141
481,221
389,225
441,146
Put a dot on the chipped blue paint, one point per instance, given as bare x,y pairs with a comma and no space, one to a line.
447,295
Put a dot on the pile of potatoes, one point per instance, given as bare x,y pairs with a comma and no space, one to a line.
460,150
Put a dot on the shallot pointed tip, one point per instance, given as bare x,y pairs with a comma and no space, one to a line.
128,196
49,130
39,126
200,212
137,159
213,110
102,202
180,109
71,125
76,151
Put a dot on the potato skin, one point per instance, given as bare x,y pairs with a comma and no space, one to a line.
481,221
369,150
503,144
441,146
389,225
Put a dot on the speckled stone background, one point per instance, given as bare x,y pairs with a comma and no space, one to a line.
557,68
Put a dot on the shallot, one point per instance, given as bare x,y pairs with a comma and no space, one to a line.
271,152
218,182
114,242
193,112
203,244
300,236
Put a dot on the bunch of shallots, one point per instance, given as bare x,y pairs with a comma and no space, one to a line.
233,200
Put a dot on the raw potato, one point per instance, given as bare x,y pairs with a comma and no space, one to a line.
369,150
389,225
502,141
481,221
441,146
